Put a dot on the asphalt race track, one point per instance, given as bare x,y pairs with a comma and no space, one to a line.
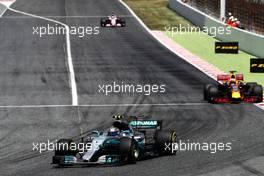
34,71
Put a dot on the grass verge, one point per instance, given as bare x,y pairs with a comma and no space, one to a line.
156,14
202,45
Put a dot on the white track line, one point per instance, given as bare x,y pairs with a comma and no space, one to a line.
68,43
90,16
3,13
168,47
106,105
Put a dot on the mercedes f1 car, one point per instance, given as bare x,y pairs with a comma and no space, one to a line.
128,140
232,89
113,21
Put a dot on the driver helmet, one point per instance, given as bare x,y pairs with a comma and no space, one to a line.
113,131
113,15
125,133
233,77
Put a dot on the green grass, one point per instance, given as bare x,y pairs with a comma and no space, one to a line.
202,45
156,15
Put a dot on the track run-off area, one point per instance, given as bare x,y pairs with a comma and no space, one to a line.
49,89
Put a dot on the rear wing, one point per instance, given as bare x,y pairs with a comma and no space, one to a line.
146,124
239,77
223,77
139,122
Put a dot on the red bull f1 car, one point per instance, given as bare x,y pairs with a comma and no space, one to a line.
113,21
232,89
128,140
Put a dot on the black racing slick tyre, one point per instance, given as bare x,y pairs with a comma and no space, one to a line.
258,92
63,147
164,141
103,22
123,22
212,93
250,86
128,150
206,91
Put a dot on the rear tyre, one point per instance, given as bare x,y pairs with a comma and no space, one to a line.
258,92
250,86
129,151
122,22
164,141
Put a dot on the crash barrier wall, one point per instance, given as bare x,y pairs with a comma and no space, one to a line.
249,42
249,13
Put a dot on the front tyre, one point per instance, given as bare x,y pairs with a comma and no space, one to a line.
63,148
129,150
206,91
103,22
164,140
212,94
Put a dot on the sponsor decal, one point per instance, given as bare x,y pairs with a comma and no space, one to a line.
257,65
226,47
144,123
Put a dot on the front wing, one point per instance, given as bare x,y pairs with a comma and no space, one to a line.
69,160
251,99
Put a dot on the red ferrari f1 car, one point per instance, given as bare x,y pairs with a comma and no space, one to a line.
232,89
